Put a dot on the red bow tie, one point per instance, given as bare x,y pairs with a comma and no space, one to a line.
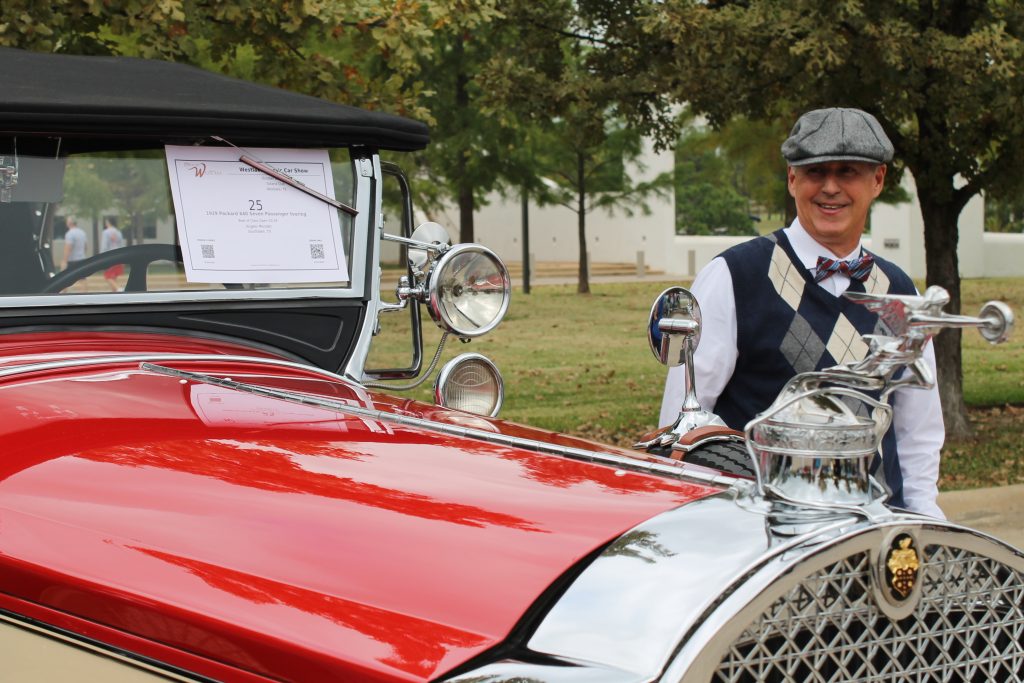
855,269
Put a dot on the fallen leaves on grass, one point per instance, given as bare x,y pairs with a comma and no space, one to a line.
994,456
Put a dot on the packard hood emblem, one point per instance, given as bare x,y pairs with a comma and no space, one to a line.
902,564
898,568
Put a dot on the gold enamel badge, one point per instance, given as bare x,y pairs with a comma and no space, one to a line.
897,577
902,564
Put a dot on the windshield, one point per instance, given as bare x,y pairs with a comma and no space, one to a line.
175,219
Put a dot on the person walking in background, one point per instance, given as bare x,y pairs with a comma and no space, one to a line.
75,245
773,307
111,238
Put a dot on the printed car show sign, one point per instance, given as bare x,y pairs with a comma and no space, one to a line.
237,224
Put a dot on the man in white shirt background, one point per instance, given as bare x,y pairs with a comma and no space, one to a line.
773,307
76,244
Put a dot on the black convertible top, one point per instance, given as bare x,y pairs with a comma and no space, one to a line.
150,101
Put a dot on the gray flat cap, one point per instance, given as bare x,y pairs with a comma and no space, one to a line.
837,134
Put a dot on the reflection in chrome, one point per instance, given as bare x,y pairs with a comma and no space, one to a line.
664,468
673,333
469,290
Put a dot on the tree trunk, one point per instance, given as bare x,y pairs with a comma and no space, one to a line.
465,211
583,286
466,228
95,232
790,209
940,243
525,205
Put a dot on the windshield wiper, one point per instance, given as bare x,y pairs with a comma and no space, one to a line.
285,178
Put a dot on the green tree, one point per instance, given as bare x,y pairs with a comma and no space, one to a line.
707,199
1004,213
584,162
136,191
86,194
579,142
945,80
469,153
759,172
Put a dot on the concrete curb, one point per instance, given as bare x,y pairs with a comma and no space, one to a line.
998,511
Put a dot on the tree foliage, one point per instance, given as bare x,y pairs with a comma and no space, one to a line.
469,156
365,52
707,199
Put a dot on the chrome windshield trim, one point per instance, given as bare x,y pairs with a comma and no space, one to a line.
164,357
369,199
581,454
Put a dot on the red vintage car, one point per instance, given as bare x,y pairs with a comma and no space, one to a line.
202,479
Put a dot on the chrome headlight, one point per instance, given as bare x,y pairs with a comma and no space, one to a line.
472,383
468,290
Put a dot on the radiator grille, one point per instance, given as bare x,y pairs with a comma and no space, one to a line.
969,626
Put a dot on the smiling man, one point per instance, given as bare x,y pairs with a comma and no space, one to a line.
773,307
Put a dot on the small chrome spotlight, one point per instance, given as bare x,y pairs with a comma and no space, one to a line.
472,383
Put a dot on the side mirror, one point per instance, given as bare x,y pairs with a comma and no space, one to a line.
673,332
427,233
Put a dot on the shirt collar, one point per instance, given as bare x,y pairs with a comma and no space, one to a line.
807,249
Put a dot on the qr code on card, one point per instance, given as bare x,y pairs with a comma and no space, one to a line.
208,251
316,251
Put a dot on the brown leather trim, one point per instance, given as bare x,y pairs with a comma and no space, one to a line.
695,436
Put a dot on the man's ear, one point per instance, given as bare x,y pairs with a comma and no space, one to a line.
790,180
879,178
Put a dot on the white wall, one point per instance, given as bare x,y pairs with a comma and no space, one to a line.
611,237
1004,255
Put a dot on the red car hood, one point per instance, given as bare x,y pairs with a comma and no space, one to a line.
291,541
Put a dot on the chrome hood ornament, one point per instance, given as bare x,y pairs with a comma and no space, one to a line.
814,445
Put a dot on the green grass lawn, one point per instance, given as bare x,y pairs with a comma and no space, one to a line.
581,364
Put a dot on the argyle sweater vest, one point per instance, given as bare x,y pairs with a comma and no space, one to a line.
787,324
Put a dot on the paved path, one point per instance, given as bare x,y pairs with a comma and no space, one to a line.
998,511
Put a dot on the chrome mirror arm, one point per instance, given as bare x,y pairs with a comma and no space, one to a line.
691,415
433,247
673,333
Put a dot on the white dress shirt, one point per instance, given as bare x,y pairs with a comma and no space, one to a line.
917,413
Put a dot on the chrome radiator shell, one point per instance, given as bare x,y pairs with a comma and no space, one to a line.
671,598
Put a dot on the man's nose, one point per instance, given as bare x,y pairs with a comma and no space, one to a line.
830,185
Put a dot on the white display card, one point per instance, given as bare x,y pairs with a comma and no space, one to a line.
237,224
